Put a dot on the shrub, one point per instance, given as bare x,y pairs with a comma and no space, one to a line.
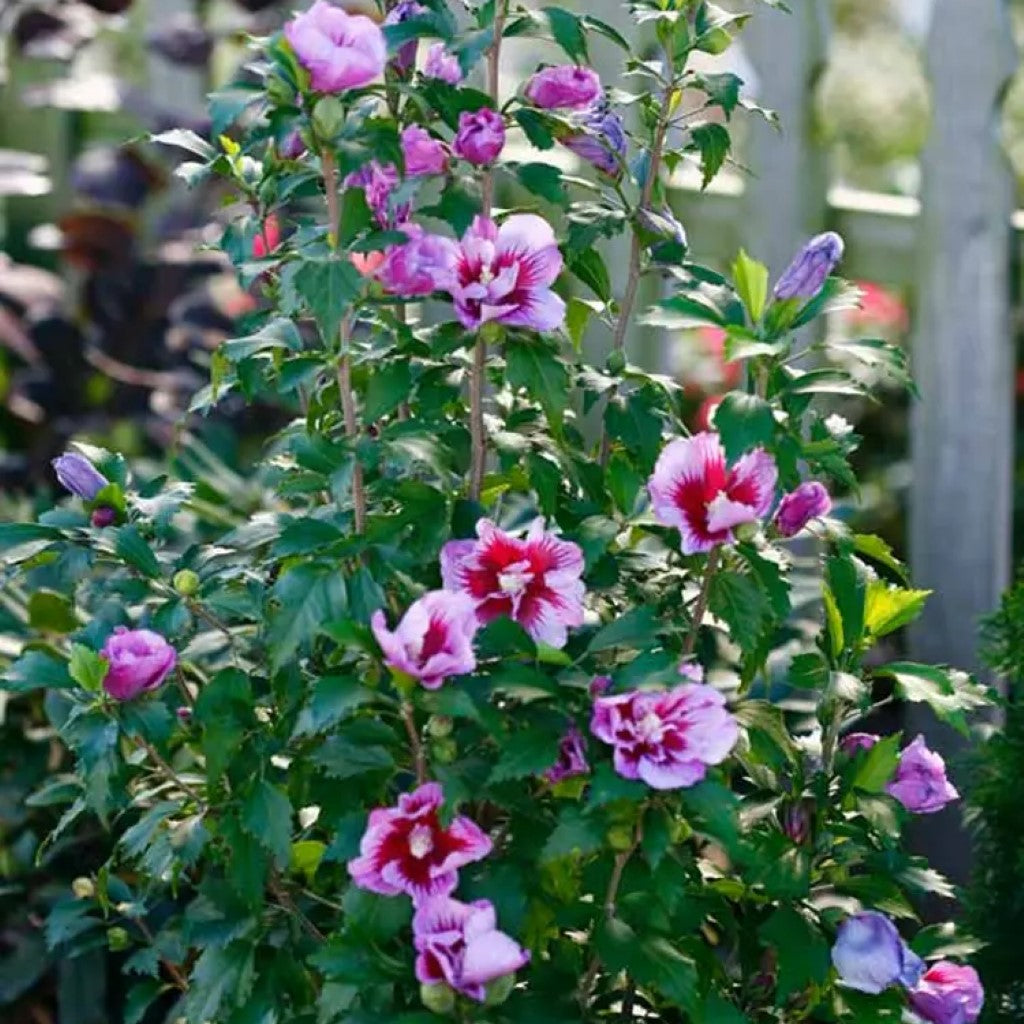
466,721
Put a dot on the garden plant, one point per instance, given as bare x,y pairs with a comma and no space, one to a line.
472,719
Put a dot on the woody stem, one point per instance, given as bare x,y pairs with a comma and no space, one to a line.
701,605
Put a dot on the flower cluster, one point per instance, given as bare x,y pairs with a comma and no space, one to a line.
870,956
406,850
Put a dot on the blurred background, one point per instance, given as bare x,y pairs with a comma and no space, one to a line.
902,127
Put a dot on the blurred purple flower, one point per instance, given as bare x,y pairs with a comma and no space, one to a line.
948,993
600,139
870,955
442,64
572,757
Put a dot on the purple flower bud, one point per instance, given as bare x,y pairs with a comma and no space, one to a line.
403,11
572,758
806,275
809,501
481,136
855,742
103,517
76,473
139,660
600,140
948,993
600,685
184,715
292,147
691,671
920,783
567,86
870,955
422,153
442,64
795,821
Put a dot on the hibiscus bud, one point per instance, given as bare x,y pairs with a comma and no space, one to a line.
186,582
422,153
184,715
103,517
442,65
920,783
78,475
809,501
444,751
567,86
117,939
437,998
481,136
293,145
339,50
948,993
600,685
854,742
870,955
795,821
600,139
138,660
499,990
620,838
83,888
806,275
616,361
439,726
747,532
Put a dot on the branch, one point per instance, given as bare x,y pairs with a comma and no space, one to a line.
415,743
702,601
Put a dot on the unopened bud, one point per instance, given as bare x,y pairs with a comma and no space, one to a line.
83,888
616,362
795,821
117,939
103,516
499,990
439,726
186,582
746,531
806,275
444,751
620,838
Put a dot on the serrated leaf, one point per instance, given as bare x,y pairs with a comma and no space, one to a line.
875,767
36,670
887,608
307,597
87,668
744,422
136,551
741,604
386,389
544,180
803,952
635,628
326,288
574,835
340,758
713,143
542,374
949,693
267,817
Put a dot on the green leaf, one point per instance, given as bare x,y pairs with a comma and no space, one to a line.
334,699
588,265
36,670
307,597
386,389
222,977
306,856
713,142
875,767
87,668
50,612
651,961
888,608
718,1011
544,180
949,693
183,138
20,541
281,334
542,374
847,582
744,422
722,91
803,952
741,604
636,627
535,128
326,288
574,835
136,551
526,752
568,33
340,758
751,279
267,817
876,549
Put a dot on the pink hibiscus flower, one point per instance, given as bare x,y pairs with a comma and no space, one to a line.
505,274
405,849
534,580
459,945
666,739
693,489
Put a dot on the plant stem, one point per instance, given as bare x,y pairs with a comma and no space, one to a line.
287,904
636,248
169,772
702,602
348,401
586,986
179,679
179,979
478,437
416,744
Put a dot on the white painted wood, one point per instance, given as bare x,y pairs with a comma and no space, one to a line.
962,430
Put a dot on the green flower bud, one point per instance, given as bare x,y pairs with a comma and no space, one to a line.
616,362
117,939
746,531
444,751
439,726
437,998
186,583
620,838
328,117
